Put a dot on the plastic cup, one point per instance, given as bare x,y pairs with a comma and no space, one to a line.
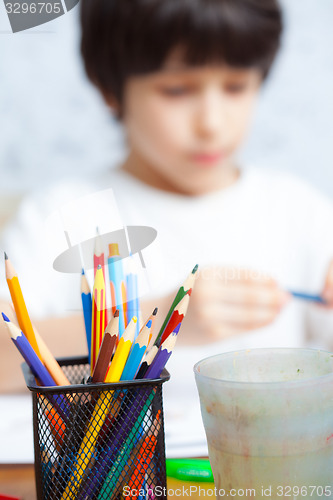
268,417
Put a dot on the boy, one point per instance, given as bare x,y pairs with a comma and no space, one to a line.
183,77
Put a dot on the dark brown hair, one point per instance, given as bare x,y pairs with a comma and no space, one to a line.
123,38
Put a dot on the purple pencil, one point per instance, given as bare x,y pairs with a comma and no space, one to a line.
162,357
34,363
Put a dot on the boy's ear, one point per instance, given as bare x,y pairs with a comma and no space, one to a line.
112,102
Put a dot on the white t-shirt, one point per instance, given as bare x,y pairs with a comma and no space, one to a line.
268,221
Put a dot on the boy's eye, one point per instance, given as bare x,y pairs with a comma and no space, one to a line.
175,91
235,88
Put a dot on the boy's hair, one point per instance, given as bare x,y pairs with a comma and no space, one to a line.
123,38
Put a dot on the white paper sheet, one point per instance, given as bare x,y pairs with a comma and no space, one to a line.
16,436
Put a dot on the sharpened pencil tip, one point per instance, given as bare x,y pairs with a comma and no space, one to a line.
82,272
6,256
155,311
135,319
5,318
116,314
195,269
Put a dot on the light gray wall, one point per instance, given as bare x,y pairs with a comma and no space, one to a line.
53,122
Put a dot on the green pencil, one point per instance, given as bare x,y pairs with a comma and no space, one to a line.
183,290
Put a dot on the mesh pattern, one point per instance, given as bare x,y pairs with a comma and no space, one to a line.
97,442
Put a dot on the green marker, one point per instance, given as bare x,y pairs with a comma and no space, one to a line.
190,469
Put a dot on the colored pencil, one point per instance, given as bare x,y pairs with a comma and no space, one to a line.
98,253
57,427
137,352
99,260
132,294
87,308
186,288
98,317
149,358
122,351
144,459
35,364
176,317
106,350
50,362
308,297
145,456
19,305
117,285
153,334
161,358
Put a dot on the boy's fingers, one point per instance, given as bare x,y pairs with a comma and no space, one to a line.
254,296
328,287
224,331
239,316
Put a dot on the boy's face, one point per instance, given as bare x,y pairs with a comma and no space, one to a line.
185,124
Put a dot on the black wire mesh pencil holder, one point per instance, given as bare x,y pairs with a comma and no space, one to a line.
98,441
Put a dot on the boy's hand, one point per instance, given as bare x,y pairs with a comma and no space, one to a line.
327,292
229,301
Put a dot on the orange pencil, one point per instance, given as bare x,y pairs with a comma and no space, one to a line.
57,426
145,456
50,362
98,316
19,306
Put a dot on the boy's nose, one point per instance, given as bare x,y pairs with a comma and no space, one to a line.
211,114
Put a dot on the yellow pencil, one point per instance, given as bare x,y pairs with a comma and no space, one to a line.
19,306
101,411
98,316
120,356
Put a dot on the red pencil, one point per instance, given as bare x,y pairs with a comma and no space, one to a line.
176,317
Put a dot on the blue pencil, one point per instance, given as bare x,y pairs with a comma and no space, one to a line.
138,350
133,306
87,308
308,297
35,364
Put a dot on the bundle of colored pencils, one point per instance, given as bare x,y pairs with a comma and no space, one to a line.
116,358
115,355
